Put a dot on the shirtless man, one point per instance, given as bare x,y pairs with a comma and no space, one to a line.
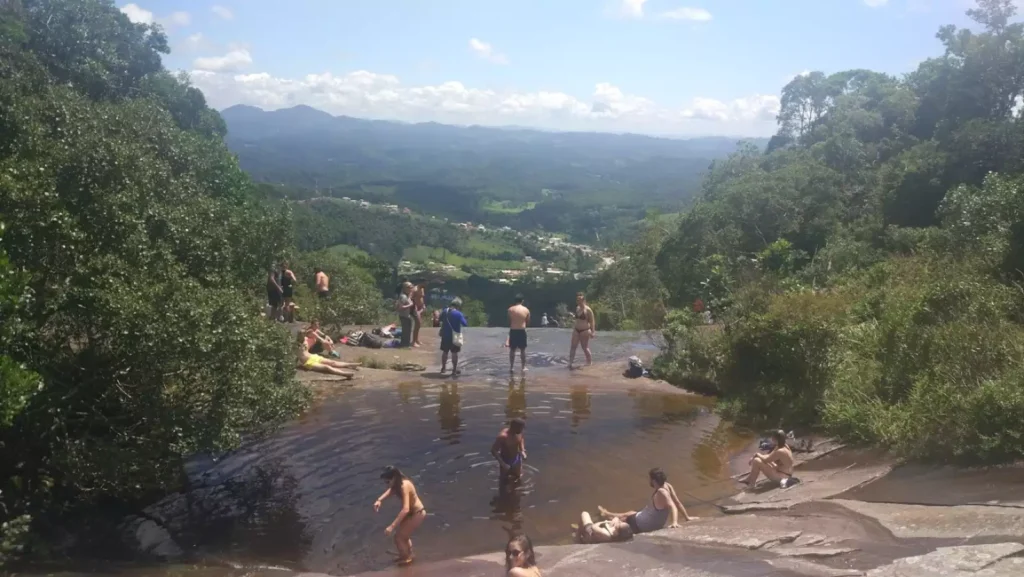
777,465
518,320
510,449
323,283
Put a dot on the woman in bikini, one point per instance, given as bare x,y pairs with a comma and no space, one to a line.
583,329
409,518
520,560
663,510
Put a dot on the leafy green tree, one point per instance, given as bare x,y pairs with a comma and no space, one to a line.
127,291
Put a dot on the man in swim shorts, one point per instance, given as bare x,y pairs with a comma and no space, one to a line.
518,320
510,449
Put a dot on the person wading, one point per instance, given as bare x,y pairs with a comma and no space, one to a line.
518,320
409,518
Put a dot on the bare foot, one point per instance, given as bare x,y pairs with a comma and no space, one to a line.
405,561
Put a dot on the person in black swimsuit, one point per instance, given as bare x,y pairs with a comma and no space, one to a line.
583,329
288,281
275,295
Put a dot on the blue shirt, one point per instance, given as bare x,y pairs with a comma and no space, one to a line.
452,320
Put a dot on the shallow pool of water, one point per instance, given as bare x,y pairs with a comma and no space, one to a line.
303,499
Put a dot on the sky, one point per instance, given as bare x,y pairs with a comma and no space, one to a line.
660,67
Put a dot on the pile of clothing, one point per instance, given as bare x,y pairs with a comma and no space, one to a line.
378,338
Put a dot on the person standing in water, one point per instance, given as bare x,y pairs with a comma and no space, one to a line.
583,329
520,560
509,449
518,320
409,518
452,321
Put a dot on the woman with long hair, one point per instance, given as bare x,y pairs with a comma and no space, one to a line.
583,329
409,518
520,560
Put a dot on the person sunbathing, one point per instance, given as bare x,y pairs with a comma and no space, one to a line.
777,465
317,364
663,510
611,530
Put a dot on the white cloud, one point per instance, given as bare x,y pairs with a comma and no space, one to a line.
486,51
876,3
195,43
137,15
370,95
177,19
797,75
140,15
222,11
687,13
632,8
236,59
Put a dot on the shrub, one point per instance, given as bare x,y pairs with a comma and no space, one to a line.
777,367
354,299
931,368
693,354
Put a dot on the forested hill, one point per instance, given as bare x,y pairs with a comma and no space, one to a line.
304,147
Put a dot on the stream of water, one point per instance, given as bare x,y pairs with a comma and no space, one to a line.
302,499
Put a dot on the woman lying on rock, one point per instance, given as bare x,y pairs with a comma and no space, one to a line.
663,509
609,531
776,465
310,362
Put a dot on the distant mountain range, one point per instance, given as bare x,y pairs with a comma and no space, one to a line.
590,185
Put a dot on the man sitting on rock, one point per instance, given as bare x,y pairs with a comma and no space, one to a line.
663,510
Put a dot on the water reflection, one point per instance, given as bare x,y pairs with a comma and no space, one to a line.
407,389
515,406
448,412
579,403
507,505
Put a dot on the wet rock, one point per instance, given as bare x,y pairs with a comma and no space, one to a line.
965,521
789,551
810,569
968,560
752,537
752,507
814,485
149,538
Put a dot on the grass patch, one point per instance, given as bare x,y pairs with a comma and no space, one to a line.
506,207
347,250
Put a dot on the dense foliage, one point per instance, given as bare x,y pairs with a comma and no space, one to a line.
593,186
865,271
129,332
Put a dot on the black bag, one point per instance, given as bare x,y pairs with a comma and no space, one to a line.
371,341
635,370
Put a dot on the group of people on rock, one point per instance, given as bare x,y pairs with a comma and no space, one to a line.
663,510
281,283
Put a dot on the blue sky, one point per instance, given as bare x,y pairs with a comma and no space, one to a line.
677,67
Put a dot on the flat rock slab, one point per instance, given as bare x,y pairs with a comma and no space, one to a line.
810,569
750,537
752,507
640,558
961,521
788,551
815,485
968,560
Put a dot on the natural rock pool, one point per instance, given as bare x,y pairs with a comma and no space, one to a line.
302,499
